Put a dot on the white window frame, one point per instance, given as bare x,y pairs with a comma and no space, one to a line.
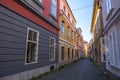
54,48
54,7
37,42
104,49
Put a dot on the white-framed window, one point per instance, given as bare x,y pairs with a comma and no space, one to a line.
32,46
62,26
64,9
104,49
54,7
68,32
69,16
52,48
113,44
108,5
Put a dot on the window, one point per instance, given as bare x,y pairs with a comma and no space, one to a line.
73,23
68,15
75,53
62,53
52,49
68,53
73,36
113,48
64,8
62,26
108,5
104,49
54,7
72,53
32,46
68,32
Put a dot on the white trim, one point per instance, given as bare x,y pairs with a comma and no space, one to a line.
67,42
54,48
33,42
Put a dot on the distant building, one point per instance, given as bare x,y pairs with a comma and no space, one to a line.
80,43
86,49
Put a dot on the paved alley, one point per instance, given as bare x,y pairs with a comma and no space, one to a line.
82,70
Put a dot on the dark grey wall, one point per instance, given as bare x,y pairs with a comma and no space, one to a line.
13,34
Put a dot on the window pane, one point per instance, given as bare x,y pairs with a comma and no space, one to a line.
62,27
72,53
68,32
62,53
68,53
52,48
32,35
52,52
53,7
31,52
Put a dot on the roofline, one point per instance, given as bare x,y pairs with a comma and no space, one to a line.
70,10
93,14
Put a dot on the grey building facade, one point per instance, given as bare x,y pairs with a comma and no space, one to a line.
28,46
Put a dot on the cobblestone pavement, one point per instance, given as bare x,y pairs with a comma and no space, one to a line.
81,70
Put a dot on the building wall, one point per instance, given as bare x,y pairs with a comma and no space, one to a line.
64,40
111,22
15,20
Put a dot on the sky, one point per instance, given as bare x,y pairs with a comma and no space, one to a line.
82,10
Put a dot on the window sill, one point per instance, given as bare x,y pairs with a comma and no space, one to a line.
52,60
53,17
115,66
30,63
40,4
109,14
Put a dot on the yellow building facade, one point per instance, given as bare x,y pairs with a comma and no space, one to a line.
67,34
97,32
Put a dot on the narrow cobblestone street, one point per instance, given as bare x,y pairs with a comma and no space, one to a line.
81,70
